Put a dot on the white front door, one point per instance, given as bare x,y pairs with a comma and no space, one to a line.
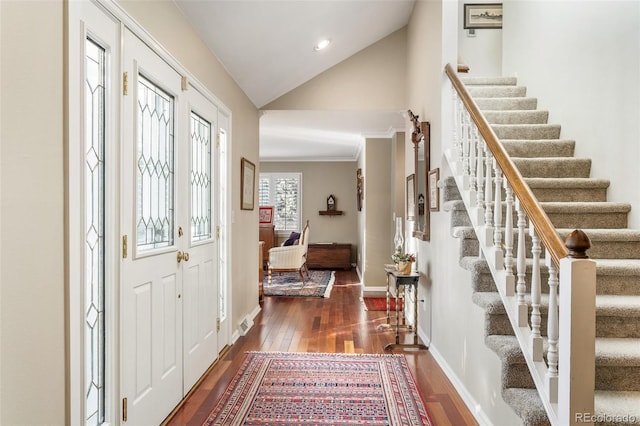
200,283
151,276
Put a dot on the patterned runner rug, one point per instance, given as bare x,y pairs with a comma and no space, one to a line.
319,284
275,388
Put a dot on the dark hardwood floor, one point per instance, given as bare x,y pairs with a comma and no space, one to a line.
336,324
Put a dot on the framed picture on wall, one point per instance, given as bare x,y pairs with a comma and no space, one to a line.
266,214
247,184
483,15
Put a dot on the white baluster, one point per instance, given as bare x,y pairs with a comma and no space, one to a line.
480,176
552,333
497,217
521,265
473,147
460,123
536,339
508,241
488,192
465,149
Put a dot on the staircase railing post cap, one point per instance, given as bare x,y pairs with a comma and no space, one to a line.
578,243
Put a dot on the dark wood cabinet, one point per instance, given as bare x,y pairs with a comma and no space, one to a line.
268,235
333,256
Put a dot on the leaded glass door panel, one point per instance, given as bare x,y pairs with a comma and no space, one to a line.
151,284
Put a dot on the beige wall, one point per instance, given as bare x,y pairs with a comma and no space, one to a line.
32,292
319,180
378,234
372,79
164,21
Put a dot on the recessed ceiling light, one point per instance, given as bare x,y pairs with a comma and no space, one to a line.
322,44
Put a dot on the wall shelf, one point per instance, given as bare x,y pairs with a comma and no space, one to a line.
330,212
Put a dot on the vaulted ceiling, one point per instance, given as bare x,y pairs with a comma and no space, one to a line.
268,48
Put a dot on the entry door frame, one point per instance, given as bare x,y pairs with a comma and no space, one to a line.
77,13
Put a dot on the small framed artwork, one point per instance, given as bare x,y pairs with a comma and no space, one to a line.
266,214
483,15
434,191
359,189
247,184
411,196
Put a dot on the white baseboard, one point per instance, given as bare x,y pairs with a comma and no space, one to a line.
467,398
245,325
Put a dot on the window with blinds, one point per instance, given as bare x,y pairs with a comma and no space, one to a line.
283,191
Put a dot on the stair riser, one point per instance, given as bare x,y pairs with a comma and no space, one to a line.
617,326
489,81
517,117
567,168
497,91
622,285
586,221
570,195
538,149
537,132
618,378
497,104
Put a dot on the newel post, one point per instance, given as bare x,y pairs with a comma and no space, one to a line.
577,331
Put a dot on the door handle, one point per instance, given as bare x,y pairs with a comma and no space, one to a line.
182,256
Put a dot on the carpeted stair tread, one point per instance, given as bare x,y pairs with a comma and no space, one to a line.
507,103
535,148
527,131
625,267
615,351
553,167
613,405
527,404
489,81
516,116
504,91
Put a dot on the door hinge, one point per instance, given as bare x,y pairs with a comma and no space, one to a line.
124,409
184,83
218,232
218,140
125,83
218,324
124,247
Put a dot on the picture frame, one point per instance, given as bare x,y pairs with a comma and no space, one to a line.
482,15
359,189
434,191
247,184
265,214
411,196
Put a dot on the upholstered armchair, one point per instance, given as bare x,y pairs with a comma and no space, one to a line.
291,258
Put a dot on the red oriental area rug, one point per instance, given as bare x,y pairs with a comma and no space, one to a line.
275,388
380,304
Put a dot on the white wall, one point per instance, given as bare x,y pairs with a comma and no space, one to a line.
482,52
582,61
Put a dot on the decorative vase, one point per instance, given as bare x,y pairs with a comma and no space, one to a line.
404,267
398,240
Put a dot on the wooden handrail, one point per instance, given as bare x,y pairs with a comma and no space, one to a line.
541,222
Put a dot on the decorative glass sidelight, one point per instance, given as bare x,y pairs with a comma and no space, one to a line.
155,167
94,250
200,178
